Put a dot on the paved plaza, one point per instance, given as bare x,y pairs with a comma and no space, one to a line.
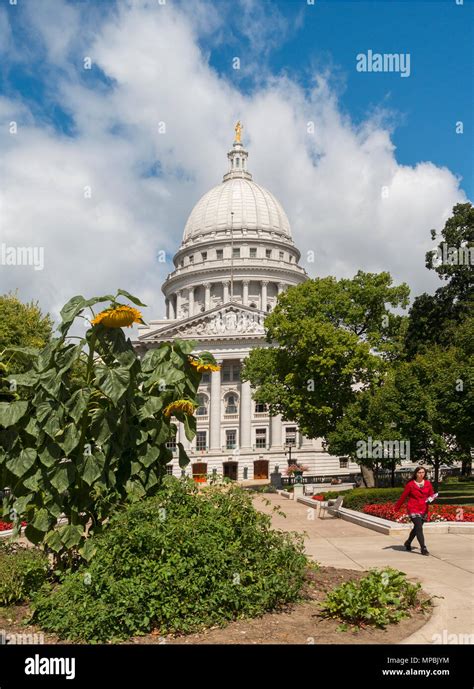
447,572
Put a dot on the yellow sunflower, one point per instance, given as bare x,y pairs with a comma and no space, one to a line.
203,366
119,316
185,406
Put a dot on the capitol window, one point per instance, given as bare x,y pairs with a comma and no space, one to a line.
260,437
219,254
260,408
204,255
201,440
231,404
203,402
231,439
230,372
171,443
253,252
268,253
236,253
290,433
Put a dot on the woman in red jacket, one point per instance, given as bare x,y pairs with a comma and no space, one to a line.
419,493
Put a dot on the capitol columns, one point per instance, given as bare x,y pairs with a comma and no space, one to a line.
171,310
215,411
207,295
225,291
179,302
191,301
275,432
245,292
245,415
264,284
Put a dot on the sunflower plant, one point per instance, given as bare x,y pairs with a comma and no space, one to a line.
91,434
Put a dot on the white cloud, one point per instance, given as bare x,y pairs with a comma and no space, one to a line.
330,183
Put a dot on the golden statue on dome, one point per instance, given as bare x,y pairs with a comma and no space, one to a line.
238,132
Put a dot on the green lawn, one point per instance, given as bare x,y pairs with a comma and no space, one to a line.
456,494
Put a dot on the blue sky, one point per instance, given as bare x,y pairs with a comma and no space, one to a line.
439,35
151,63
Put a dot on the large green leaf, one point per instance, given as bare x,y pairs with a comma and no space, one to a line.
70,534
190,426
21,464
133,299
74,307
155,356
22,503
26,379
149,454
11,412
88,550
51,382
78,403
50,454
43,409
183,457
93,467
63,476
53,426
151,407
42,520
53,540
104,424
70,439
33,482
114,383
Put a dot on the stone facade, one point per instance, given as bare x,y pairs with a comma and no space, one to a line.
236,256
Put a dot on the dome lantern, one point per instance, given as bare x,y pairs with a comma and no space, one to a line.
237,158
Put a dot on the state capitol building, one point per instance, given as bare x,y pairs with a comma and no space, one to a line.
236,256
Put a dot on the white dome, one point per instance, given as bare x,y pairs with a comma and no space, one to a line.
253,206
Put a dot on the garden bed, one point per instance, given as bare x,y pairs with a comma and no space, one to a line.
299,623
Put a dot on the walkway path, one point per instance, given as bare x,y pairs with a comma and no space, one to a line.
447,572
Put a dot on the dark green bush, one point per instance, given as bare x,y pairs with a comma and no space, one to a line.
357,498
22,571
178,562
380,598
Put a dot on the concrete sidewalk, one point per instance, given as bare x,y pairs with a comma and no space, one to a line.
447,572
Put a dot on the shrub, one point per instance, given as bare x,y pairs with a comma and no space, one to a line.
380,598
178,562
22,571
358,497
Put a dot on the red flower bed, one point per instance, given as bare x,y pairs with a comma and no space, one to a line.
437,513
317,497
6,526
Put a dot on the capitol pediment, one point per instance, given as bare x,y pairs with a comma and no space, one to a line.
228,320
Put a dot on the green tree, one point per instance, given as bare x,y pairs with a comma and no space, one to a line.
433,318
22,325
368,432
327,338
